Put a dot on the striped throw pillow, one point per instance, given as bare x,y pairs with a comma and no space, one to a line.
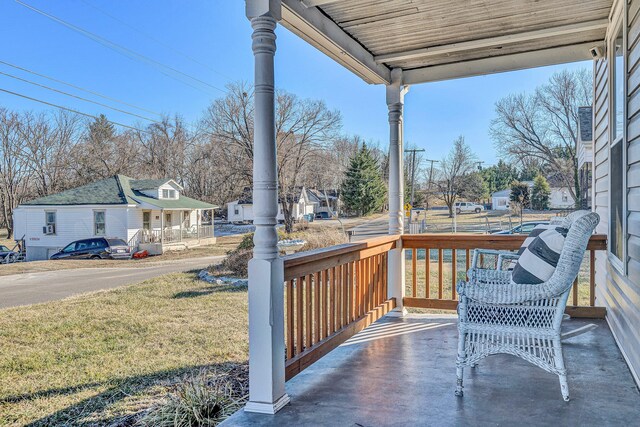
539,259
530,238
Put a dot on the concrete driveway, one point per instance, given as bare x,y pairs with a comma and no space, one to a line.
31,288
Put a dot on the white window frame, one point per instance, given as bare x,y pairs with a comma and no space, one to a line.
619,23
95,228
55,220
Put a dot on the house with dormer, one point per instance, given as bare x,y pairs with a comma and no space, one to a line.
150,214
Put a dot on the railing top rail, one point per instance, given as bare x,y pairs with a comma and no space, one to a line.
484,241
332,251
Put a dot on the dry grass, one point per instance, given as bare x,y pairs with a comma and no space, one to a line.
105,358
461,271
3,239
222,246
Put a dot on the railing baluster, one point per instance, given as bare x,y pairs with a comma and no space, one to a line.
332,301
316,308
345,294
454,268
440,272
592,278
414,272
427,270
575,292
308,311
467,261
325,306
290,323
299,318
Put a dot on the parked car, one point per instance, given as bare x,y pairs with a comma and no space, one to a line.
524,228
323,215
6,252
97,248
468,207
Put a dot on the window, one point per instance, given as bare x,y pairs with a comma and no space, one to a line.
50,222
69,248
236,211
99,223
146,220
616,150
168,194
565,198
186,219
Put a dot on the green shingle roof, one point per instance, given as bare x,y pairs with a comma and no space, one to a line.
118,190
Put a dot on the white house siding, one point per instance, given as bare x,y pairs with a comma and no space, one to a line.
72,223
134,221
619,293
560,198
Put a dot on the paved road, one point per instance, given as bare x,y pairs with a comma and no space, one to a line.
31,288
374,228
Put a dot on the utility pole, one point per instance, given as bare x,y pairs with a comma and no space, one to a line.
430,178
413,152
479,163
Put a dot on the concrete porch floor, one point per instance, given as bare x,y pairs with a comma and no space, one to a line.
401,372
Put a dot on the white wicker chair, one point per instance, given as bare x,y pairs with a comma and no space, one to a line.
498,316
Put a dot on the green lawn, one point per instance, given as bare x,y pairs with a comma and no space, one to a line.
100,358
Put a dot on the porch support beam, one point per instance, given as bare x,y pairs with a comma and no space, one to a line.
266,270
318,30
498,64
395,102
314,3
494,41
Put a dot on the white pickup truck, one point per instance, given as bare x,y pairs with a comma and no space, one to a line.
468,207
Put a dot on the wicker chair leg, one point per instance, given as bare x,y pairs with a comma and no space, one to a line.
459,385
559,362
459,364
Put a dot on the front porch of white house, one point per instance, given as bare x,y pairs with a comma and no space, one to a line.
312,362
173,229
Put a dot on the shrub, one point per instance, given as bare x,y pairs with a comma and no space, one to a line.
323,239
237,262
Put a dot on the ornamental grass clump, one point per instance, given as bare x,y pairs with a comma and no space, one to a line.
205,399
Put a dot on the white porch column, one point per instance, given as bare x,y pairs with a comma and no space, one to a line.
395,102
266,270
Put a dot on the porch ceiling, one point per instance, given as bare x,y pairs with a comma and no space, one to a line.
440,39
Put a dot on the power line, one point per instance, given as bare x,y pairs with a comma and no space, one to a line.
69,109
26,70
124,50
160,42
75,96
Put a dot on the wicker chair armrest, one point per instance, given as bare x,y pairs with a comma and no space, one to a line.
501,292
486,275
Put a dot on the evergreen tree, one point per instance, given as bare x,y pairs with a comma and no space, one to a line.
363,190
540,193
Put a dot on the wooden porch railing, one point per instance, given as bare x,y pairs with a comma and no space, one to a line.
435,262
330,295
333,293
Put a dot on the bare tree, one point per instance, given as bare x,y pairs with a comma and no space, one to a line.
453,169
48,142
303,129
543,127
14,168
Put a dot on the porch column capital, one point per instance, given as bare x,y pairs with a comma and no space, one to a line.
256,8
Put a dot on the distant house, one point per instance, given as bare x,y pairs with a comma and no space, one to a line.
500,200
149,214
241,210
324,200
585,155
560,198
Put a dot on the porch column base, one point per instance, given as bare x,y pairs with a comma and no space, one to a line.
267,393
267,408
398,312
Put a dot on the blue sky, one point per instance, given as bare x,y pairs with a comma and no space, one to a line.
217,35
